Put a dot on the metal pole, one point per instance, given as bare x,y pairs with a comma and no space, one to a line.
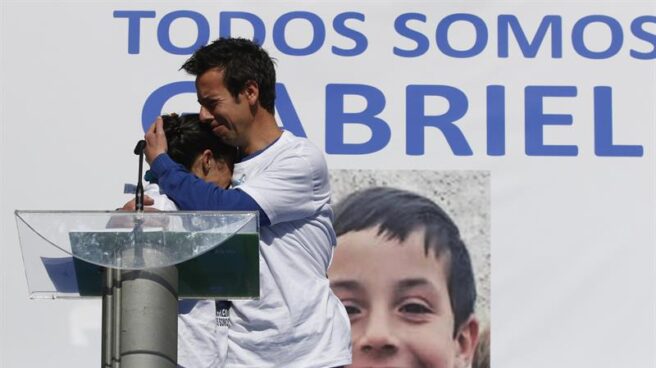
107,313
116,319
149,325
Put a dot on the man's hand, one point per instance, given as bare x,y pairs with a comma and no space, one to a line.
155,141
131,205
127,222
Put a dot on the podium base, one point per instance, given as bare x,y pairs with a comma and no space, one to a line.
143,321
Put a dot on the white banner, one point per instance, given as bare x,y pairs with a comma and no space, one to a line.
549,105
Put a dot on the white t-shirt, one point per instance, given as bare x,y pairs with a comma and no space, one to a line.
202,341
298,321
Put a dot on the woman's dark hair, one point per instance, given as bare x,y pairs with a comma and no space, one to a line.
187,138
397,213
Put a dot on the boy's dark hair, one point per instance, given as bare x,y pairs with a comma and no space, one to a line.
397,213
187,138
241,60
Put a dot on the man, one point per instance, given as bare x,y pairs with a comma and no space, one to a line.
298,321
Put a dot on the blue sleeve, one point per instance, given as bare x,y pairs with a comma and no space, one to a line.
193,194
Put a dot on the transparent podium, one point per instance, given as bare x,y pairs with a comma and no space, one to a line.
140,263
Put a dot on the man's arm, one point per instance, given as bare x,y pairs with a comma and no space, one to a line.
193,194
185,189
294,186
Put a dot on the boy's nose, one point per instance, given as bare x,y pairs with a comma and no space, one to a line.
378,338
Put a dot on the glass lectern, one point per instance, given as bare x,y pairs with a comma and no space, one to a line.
140,263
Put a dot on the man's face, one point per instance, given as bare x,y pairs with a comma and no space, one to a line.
397,299
230,118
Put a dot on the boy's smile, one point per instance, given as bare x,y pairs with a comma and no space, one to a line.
397,299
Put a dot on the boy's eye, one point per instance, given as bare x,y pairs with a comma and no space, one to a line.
414,308
352,310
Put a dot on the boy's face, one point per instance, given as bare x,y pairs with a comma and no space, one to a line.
398,302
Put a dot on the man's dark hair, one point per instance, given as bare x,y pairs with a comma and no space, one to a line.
397,213
187,138
242,61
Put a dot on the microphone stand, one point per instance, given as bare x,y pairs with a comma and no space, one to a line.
139,195
112,284
139,202
149,299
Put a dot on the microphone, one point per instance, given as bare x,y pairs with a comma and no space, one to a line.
139,194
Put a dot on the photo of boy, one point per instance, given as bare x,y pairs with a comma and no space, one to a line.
405,278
